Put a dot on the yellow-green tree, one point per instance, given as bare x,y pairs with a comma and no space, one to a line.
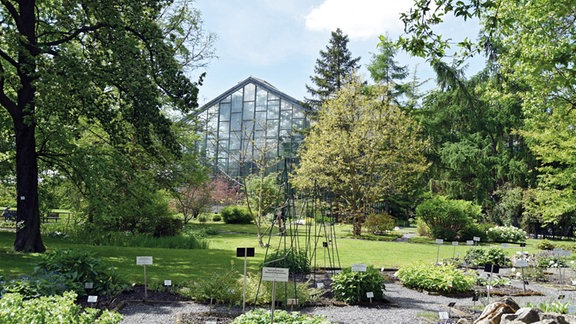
362,150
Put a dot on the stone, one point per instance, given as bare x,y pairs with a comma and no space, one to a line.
528,315
493,312
462,321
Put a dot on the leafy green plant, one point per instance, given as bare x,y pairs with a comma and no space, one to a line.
296,261
236,215
15,309
216,218
81,267
447,218
222,288
546,244
481,256
261,316
549,259
444,278
503,234
351,286
551,307
260,292
379,223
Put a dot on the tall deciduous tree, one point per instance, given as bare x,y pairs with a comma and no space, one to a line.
333,67
68,64
363,149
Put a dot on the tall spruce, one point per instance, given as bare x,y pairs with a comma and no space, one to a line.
332,68
385,70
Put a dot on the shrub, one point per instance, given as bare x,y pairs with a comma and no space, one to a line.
167,226
351,287
14,309
482,256
216,218
444,278
296,261
506,234
81,267
236,215
447,218
549,259
202,219
546,245
280,316
379,223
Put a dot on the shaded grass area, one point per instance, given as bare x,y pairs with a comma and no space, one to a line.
181,265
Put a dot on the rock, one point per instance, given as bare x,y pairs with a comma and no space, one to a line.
553,318
462,321
528,315
493,312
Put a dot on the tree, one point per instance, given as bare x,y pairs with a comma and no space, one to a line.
333,67
106,64
385,70
533,44
362,150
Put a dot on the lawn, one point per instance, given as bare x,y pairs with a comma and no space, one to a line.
181,265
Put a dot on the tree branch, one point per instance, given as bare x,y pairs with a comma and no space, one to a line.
4,100
72,34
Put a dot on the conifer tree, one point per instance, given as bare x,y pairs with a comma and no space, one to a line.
332,68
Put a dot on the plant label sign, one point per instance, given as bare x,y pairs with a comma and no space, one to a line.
292,301
167,283
455,243
469,242
439,241
359,267
320,285
92,299
521,264
370,294
143,260
443,315
275,274
476,239
88,285
245,252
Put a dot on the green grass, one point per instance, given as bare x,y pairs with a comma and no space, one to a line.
181,265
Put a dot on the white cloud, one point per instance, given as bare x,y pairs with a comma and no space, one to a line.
359,19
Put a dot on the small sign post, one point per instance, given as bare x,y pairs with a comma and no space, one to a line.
439,242
274,274
454,244
92,300
491,268
522,264
144,261
370,295
244,252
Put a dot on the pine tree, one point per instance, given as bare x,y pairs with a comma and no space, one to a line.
332,68
384,69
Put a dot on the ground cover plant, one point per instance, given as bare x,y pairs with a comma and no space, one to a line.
261,316
442,278
15,309
480,256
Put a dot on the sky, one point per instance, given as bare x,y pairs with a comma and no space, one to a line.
279,40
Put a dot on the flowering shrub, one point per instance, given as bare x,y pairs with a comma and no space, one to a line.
506,234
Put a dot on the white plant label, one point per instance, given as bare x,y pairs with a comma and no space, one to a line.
143,260
370,294
359,267
275,274
92,299
439,241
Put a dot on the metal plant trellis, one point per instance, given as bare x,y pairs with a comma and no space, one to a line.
305,225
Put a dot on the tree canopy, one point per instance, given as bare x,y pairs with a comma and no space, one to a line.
362,150
106,69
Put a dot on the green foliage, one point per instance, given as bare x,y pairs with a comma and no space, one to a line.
343,156
334,65
284,290
236,215
351,286
549,259
167,226
14,309
263,192
443,278
506,234
551,306
479,256
223,288
447,218
296,261
81,267
379,223
545,244
261,316
202,219
216,218
40,284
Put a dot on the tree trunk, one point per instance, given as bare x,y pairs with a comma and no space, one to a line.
28,238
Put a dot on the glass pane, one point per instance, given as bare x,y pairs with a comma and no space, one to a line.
227,99
224,129
236,122
272,128
248,127
248,110
222,147
261,97
298,113
213,109
260,119
285,120
286,106
249,92
273,109
237,101
224,111
235,139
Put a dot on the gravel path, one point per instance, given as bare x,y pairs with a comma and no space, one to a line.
406,307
